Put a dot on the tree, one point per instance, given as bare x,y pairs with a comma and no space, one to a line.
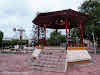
1,37
56,38
92,8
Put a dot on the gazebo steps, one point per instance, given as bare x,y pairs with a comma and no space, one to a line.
54,61
46,70
49,66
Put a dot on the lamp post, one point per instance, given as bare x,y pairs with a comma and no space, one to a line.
94,43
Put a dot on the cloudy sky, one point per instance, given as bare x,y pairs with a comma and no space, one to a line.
20,13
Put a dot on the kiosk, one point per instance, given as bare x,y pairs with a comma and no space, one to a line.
69,20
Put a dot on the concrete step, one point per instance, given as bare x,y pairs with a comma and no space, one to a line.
49,70
49,66
51,59
54,48
54,51
53,55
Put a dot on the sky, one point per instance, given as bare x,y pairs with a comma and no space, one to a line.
20,13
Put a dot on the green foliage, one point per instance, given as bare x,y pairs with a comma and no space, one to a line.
92,8
1,37
14,42
56,39
75,32
22,42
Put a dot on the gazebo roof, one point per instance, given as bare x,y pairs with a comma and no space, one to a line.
56,19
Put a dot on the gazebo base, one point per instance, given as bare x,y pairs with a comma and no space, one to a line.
78,62
77,55
74,55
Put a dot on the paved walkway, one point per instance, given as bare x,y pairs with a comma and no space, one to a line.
19,65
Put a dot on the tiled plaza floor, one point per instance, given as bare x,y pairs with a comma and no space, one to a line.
19,65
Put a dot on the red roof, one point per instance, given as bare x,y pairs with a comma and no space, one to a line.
56,19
